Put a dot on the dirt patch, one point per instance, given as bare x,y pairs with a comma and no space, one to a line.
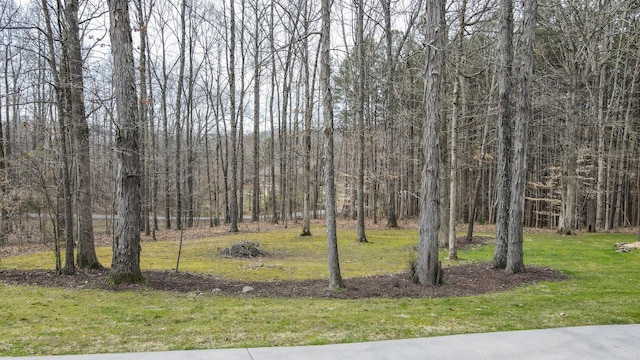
464,280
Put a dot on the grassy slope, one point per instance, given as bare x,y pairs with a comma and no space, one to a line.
603,289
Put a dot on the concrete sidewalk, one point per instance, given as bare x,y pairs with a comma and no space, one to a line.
579,343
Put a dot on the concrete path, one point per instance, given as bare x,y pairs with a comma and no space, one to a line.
579,343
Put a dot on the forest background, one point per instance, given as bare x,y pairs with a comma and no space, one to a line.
232,117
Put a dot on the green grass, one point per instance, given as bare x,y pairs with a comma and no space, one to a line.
603,288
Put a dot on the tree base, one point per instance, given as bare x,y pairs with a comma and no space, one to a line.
305,232
125,278
89,264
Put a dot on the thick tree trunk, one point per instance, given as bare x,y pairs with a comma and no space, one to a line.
87,258
515,262
567,223
125,265
504,135
429,271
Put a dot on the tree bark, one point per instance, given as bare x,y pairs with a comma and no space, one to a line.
62,108
515,262
360,236
255,193
142,109
504,135
306,208
429,271
125,264
180,90
233,154
86,258
272,156
335,277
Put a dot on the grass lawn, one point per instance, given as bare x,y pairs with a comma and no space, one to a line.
603,288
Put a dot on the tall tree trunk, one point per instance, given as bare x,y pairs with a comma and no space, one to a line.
69,267
154,153
283,135
504,135
600,182
568,218
66,189
180,90
457,113
4,218
63,106
125,264
429,271
255,193
272,156
87,258
64,120
335,277
360,237
190,158
241,117
233,191
308,112
165,131
142,109
389,114
515,262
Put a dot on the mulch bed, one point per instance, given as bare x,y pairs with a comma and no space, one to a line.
463,280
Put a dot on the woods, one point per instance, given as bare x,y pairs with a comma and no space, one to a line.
243,110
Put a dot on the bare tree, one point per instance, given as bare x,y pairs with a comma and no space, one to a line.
429,271
308,112
180,91
515,263
125,264
360,237
335,278
233,155
142,109
255,193
63,109
389,113
86,257
504,134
